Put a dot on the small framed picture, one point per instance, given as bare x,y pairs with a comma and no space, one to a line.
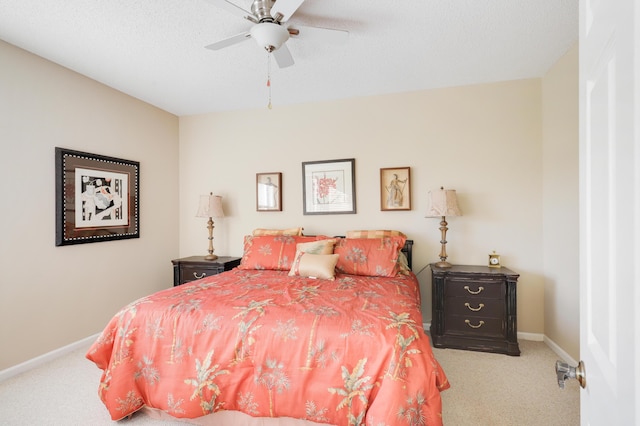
269,192
395,188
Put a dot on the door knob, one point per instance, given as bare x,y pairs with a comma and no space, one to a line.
564,371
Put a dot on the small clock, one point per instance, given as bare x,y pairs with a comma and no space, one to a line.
494,260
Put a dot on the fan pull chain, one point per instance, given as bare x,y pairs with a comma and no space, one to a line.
269,77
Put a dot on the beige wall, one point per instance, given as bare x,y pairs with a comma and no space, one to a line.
507,148
485,141
53,296
561,204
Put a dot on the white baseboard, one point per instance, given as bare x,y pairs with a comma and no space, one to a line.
559,351
536,337
43,359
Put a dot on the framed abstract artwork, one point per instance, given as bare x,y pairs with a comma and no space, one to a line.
269,192
329,187
97,198
395,188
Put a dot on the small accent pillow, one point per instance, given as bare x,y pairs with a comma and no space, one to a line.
369,256
271,251
258,232
317,247
322,266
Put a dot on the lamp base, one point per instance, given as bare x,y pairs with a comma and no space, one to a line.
442,264
210,257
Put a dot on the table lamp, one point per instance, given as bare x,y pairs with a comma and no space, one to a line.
210,206
442,203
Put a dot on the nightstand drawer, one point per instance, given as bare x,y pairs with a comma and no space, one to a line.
468,288
474,307
192,273
194,268
475,326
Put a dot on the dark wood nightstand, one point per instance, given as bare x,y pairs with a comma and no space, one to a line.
474,308
195,267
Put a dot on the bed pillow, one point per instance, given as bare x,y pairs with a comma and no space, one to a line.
322,266
369,256
289,231
403,264
274,252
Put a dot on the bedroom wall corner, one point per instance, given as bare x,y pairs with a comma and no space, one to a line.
53,296
561,203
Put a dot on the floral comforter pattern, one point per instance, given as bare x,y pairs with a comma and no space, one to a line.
345,352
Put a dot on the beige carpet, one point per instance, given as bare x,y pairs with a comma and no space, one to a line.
486,389
496,390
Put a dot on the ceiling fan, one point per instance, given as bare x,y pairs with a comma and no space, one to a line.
271,29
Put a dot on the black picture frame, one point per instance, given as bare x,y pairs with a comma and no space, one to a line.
329,187
97,198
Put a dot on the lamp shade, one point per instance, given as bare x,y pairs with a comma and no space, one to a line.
443,202
210,206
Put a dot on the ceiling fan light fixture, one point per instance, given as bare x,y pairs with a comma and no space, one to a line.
269,36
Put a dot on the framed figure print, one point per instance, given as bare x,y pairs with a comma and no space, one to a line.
329,187
395,188
97,198
269,192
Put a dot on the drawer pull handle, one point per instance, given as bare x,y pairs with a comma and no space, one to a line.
466,287
480,324
204,274
480,306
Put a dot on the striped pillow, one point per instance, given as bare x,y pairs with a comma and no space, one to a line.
289,231
379,233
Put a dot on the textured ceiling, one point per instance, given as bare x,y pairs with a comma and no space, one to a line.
154,49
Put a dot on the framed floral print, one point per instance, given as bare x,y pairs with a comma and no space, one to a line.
329,187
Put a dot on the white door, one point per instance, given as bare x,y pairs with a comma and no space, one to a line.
610,211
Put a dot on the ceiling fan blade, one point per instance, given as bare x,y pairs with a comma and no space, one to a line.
283,9
283,56
229,41
324,35
232,8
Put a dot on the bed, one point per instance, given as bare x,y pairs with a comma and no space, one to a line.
322,329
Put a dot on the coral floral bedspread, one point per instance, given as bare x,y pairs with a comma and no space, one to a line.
344,352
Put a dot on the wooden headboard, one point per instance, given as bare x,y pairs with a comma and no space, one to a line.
408,251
